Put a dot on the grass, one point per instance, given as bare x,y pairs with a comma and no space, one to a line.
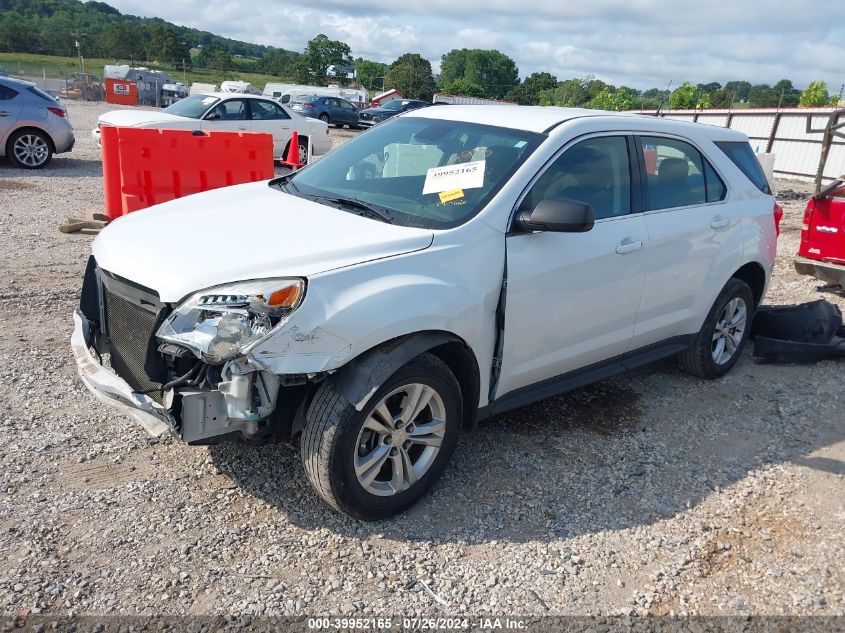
32,66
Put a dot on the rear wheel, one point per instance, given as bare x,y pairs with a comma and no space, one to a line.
719,343
379,461
324,118
29,149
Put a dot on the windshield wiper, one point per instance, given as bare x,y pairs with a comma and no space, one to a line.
370,210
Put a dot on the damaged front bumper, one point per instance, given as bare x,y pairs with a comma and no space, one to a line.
203,414
112,390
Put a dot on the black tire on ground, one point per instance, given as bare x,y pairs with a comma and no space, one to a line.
329,441
324,118
698,358
40,139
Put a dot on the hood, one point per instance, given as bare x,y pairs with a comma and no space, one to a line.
242,232
128,118
379,111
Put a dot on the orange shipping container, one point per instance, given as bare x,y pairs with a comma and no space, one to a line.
121,91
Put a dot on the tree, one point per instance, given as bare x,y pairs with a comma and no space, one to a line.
320,53
370,74
710,88
279,62
721,99
15,33
688,97
815,95
787,94
123,41
616,100
763,96
462,87
411,74
739,90
528,92
165,44
494,71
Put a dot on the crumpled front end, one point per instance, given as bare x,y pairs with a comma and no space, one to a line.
161,385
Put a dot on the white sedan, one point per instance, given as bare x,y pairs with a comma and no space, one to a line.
228,112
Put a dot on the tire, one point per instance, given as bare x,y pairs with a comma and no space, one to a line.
707,357
303,150
29,149
324,118
337,438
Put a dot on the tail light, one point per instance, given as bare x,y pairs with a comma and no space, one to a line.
808,216
309,105
58,112
778,213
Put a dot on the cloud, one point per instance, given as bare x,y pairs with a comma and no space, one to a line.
639,43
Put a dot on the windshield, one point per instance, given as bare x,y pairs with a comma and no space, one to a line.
395,104
192,107
425,172
304,98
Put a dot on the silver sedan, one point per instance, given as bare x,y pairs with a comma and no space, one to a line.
33,125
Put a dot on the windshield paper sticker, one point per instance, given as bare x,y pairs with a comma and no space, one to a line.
451,177
454,194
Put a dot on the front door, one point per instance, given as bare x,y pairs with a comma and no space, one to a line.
572,298
230,115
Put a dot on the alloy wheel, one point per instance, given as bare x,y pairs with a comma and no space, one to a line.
729,330
400,439
31,150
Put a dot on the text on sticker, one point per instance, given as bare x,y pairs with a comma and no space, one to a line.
460,176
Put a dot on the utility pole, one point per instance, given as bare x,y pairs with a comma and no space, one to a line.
77,35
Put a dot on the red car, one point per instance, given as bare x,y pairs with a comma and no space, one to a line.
822,250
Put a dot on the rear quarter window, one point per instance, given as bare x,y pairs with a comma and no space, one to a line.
37,91
743,157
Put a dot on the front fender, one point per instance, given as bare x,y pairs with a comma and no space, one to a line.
452,288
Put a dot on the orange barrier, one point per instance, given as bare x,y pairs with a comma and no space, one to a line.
143,167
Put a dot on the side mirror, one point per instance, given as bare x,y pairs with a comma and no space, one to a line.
559,215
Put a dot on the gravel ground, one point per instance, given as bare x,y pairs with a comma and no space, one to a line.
652,492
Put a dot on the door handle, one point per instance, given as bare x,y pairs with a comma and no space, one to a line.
4,113
628,246
242,128
719,222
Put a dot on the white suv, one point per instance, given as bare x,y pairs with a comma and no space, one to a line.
448,265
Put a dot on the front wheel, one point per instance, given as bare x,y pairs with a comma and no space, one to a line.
379,461
719,343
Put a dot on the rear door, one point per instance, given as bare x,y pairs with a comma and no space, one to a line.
694,236
270,118
572,298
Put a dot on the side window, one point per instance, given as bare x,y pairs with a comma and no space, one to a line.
674,173
596,171
280,112
230,110
743,157
716,189
264,110
7,93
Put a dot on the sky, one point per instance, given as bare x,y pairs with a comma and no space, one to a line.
637,43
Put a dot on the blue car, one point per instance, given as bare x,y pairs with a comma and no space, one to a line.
332,110
371,116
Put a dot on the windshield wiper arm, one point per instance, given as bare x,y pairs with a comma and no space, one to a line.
371,210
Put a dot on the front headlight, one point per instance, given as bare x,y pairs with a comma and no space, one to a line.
219,323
